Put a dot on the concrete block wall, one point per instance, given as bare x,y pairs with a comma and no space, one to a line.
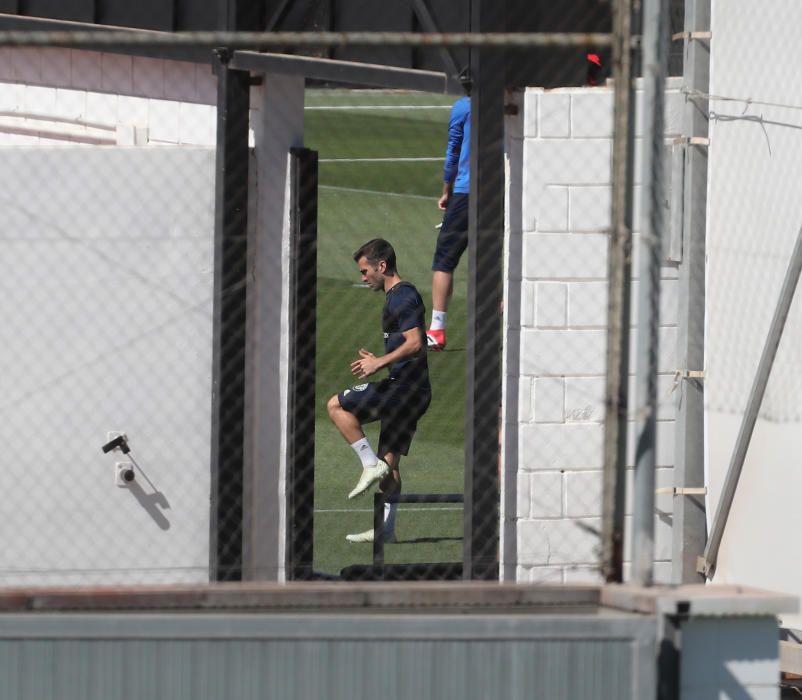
70,97
556,337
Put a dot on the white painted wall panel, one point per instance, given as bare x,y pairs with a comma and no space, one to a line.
124,238
172,101
753,220
107,296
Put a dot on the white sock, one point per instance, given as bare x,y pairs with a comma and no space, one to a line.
365,452
438,320
390,511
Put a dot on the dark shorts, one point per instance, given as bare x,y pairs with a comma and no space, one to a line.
453,238
398,406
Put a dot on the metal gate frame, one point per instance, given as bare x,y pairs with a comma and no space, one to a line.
486,232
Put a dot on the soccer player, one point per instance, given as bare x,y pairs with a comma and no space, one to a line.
398,400
453,237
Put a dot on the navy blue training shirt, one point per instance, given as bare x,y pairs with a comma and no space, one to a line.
404,310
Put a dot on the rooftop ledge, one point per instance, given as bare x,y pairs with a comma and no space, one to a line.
419,597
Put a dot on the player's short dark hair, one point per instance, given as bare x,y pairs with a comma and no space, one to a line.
465,79
376,250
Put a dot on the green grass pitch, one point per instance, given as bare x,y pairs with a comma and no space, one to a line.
396,200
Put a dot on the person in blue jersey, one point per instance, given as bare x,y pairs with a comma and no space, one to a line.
398,400
453,237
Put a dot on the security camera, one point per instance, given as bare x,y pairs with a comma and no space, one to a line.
121,442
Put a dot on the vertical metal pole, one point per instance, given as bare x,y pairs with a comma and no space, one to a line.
303,328
708,564
378,529
228,370
486,236
655,50
619,261
485,289
689,521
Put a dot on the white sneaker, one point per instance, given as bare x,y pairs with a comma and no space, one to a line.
367,536
370,475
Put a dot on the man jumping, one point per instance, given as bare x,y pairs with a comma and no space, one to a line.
398,400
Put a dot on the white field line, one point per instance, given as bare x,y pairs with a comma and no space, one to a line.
378,107
426,159
383,194
370,510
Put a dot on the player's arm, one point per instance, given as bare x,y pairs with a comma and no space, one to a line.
456,132
369,364
442,203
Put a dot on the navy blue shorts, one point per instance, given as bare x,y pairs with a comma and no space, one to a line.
398,406
453,238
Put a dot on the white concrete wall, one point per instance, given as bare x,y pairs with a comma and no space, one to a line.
129,232
753,221
92,97
556,316
106,268
107,274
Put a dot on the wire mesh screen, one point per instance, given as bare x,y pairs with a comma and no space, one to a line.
138,284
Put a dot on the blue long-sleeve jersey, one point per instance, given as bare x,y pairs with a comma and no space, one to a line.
458,151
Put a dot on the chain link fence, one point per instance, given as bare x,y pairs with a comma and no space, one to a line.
176,396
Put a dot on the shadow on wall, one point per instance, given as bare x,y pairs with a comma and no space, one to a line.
152,500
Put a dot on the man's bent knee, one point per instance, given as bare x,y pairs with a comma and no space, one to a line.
333,405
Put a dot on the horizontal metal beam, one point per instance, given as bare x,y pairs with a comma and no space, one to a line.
425,498
98,38
349,72
262,595
137,42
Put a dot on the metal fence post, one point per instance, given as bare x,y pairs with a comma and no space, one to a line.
485,287
230,269
689,522
619,264
655,54
378,529
303,322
